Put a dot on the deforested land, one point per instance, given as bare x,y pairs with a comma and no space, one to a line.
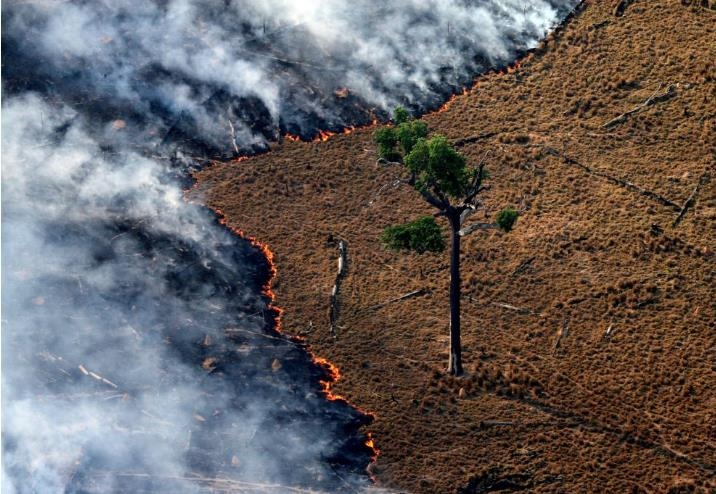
589,331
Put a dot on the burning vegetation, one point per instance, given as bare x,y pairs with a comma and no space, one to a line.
588,336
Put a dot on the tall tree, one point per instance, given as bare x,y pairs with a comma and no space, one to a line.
442,177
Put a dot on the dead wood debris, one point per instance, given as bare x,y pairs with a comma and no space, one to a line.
654,98
520,310
414,293
619,181
462,141
342,270
476,226
219,483
621,6
692,199
562,333
522,267
96,376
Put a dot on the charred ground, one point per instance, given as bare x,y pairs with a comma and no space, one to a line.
589,331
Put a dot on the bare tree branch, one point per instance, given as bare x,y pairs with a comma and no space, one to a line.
477,226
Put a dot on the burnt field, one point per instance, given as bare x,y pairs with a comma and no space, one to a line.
589,331
142,344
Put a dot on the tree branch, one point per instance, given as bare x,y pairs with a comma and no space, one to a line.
434,201
385,162
477,226
476,186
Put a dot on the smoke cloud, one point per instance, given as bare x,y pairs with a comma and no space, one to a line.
138,349
208,74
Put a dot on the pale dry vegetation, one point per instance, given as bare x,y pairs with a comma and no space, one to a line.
589,331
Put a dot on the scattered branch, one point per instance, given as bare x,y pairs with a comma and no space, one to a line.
414,293
619,181
621,6
520,310
654,98
692,198
462,141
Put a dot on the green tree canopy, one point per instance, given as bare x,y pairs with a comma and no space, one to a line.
421,235
444,180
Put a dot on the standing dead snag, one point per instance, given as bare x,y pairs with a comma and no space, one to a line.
441,175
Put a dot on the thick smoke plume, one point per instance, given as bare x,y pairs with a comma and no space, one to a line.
225,75
138,349
135,336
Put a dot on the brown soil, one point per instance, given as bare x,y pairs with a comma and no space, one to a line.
550,402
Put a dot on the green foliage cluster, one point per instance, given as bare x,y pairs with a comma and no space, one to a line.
506,219
437,166
439,172
397,141
421,235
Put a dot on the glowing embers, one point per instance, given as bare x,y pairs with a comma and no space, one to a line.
324,135
333,375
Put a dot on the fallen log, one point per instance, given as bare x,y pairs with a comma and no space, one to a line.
522,267
96,376
619,181
520,310
691,199
414,293
620,7
654,98
476,226
562,333
462,141
342,270
494,423
240,486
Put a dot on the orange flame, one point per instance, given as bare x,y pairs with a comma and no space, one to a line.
333,374
452,98
324,135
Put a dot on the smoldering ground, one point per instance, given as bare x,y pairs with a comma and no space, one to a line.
208,75
135,335
138,353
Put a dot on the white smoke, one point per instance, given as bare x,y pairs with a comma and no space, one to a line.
110,283
194,65
136,353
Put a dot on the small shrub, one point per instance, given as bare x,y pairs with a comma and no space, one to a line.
506,219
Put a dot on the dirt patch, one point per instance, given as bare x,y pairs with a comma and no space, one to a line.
600,377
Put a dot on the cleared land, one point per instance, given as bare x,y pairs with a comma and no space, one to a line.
589,331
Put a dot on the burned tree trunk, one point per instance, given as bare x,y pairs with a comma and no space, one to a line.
455,358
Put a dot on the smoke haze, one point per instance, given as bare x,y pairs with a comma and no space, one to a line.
138,348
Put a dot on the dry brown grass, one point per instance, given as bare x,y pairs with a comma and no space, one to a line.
629,412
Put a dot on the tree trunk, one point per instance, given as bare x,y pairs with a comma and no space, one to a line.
455,359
